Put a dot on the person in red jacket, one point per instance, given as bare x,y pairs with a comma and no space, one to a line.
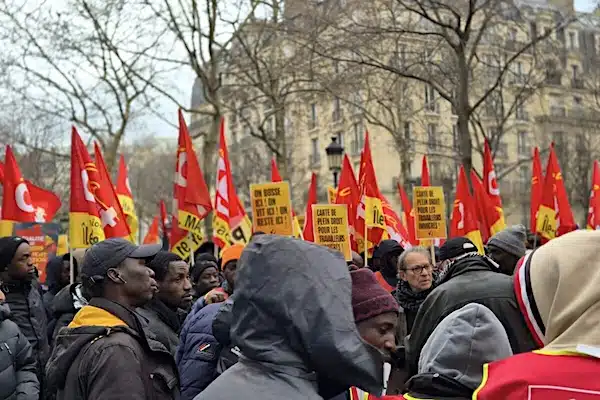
557,290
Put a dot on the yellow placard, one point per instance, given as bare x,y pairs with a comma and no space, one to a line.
430,212
330,226
6,228
62,246
331,194
272,208
191,242
84,230
374,216
546,222
301,220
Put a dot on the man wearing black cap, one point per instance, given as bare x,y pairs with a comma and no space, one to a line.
468,277
105,352
17,273
385,260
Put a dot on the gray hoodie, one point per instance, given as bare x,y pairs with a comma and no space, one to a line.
451,362
293,322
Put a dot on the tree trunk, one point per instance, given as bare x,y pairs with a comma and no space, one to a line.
209,151
463,111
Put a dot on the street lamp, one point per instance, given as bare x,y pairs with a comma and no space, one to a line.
335,152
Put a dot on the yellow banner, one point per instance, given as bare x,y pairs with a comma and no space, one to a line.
297,228
62,246
301,219
331,194
189,222
272,208
374,217
186,245
546,222
240,234
132,220
6,228
475,237
330,226
430,212
84,230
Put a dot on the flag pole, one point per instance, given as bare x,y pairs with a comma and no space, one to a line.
366,242
432,250
71,267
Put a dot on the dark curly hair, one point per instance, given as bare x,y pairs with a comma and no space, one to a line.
160,263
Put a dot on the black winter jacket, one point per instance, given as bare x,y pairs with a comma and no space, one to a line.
105,353
163,322
18,380
29,313
470,279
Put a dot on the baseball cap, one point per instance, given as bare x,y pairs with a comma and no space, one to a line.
456,247
111,252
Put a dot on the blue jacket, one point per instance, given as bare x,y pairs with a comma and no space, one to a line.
198,350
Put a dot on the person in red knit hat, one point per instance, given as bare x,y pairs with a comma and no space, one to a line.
376,317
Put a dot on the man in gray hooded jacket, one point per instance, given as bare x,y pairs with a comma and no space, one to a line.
293,323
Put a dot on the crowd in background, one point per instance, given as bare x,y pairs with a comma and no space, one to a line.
284,318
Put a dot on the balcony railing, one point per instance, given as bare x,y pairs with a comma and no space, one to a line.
553,79
577,83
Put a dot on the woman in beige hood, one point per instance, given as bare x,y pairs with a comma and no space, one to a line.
558,290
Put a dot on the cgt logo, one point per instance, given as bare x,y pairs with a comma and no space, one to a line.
548,392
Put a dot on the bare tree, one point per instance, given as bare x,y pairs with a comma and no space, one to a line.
85,62
445,43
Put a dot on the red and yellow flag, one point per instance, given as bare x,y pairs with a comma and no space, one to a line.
490,184
349,194
126,198
487,213
276,177
464,216
370,217
409,215
23,201
425,180
554,217
537,190
230,221
593,220
308,232
115,226
394,227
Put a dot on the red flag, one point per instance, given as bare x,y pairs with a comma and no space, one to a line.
425,180
409,215
164,223
349,194
593,221
275,176
491,188
23,201
123,190
112,215
464,217
123,186
1,172
487,213
555,216
308,232
537,189
153,235
193,200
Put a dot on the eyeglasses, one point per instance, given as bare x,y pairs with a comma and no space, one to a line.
418,269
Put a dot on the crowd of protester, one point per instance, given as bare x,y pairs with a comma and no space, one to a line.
282,318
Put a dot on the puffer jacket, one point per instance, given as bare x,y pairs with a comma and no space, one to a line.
471,278
65,305
29,313
198,351
18,380
293,323
163,322
106,353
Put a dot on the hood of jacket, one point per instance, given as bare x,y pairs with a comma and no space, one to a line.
293,313
63,301
4,311
98,318
557,291
467,263
53,273
465,340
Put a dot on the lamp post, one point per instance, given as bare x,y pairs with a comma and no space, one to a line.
335,152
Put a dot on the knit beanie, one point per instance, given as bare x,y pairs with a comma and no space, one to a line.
8,248
511,240
202,262
231,253
369,299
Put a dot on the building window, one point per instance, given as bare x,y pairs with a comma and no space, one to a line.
430,99
572,43
512,34
432,139
520,113
358,142
337,109
408,139
455,138
435,169
315,156
502,150
575,71
312,121
340,138
523,144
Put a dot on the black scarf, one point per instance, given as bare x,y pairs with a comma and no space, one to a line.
408,298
